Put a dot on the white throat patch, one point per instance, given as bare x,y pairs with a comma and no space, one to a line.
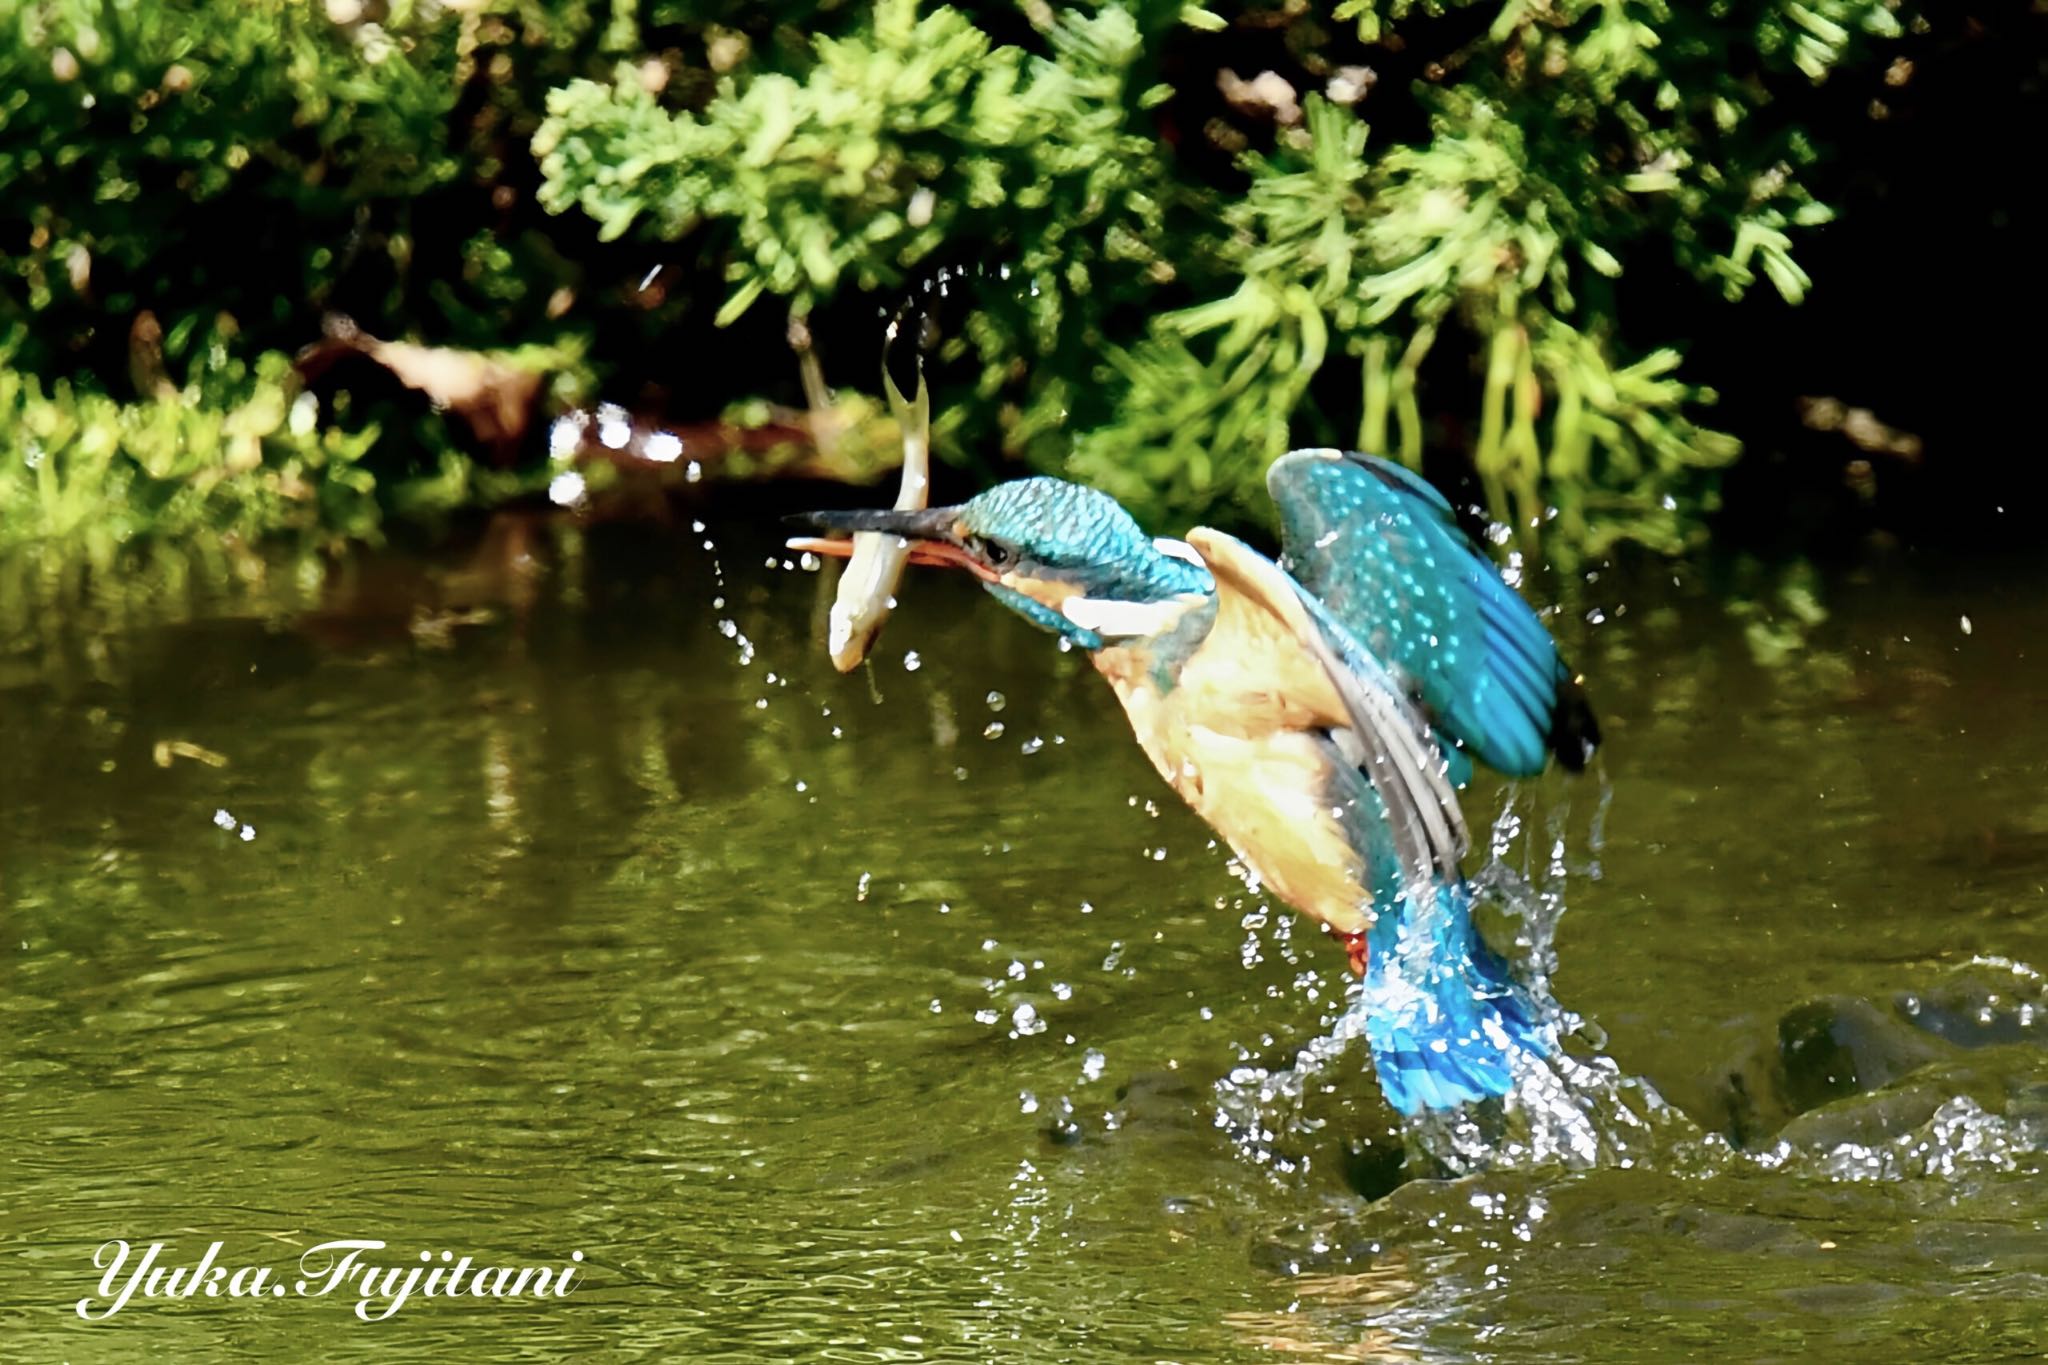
1123,620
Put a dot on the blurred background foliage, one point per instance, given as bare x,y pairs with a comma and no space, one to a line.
277,267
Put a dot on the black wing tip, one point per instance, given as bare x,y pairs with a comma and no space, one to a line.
1574,730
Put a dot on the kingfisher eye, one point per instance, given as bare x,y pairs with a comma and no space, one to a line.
992,552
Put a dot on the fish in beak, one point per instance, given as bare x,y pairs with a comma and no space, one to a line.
930,534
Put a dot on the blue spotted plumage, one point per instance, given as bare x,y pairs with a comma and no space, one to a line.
1382,549
1320,716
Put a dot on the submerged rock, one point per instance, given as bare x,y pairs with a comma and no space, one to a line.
1845,1046
1845,1069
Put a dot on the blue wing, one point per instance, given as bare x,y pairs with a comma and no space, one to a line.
1382,551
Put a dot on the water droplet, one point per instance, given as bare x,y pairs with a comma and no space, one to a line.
993,730
1033,745
860,892
1092,1062
1025,1022
1966,625
565,435
566,489
996,701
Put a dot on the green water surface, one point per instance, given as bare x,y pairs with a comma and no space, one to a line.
569,901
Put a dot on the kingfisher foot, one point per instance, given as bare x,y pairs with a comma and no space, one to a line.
1354,944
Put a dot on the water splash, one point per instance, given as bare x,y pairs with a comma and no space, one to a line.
1562,1108
1959,1138
1980,1110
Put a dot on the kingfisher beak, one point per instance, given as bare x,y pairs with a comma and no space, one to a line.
930,534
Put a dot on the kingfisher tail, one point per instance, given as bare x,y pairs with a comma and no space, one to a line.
1444,1019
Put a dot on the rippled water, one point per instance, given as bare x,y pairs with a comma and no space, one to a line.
572,902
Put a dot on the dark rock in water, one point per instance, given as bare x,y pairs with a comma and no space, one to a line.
1977,1013
1845,1046
2010,1083
1831,1050
1867,1120
1821,1052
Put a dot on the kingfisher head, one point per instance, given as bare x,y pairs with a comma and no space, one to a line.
1068,558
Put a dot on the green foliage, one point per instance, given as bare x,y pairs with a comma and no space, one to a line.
129,130
1384,253
237,454
1577,137
896,142
1582,134
189,186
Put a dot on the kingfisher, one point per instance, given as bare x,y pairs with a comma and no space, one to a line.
1320,712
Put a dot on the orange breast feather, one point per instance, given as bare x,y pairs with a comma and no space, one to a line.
1233,738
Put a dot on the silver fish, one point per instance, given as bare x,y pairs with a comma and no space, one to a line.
867,590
